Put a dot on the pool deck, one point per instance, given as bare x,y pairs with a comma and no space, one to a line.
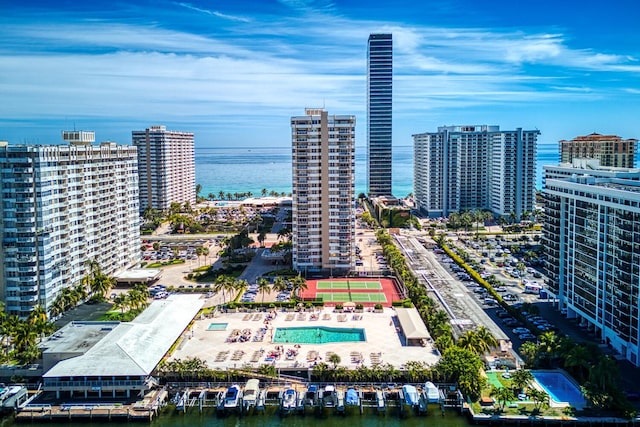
383,345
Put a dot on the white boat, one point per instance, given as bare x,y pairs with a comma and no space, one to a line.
410,395
232,397
289,401
433,394
340,400
380,401
251,393
329,396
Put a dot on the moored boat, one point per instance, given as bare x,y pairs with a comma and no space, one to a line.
329,397
232,397
410,395
251,393
288,401
433,394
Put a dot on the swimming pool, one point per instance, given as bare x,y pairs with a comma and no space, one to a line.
318,335
217,326
559,387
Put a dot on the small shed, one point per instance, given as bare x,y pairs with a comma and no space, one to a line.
412,326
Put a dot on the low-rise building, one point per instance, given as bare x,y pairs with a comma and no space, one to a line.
115,359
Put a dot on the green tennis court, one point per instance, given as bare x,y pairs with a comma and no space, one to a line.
348,284
351,296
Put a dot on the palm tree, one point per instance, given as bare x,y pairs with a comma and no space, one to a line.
279,284
579,359
486,340
502,395
540,399
443,342
298,284
25,342
469,340
529,351
121,302
262,236
263,287
39,320
263,192
520,379
320,371
221,195
334,359
220,285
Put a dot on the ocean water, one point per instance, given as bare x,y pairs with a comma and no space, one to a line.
241,170
244,170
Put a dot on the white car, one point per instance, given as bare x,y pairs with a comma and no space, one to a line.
520,331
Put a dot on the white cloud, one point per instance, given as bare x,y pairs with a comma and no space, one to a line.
214,13
273,68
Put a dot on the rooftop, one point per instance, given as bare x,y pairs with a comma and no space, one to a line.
128,348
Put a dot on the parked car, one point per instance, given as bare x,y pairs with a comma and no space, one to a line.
510,297
520,331
527,337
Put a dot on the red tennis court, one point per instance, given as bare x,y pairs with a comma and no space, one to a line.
365,291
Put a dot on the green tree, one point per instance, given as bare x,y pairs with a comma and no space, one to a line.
320,371
540,399
263,286
520,379
298,284
464,367
577,360
262,236
486,340
503,395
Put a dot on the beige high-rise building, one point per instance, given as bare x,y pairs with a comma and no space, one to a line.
323,192
166,167
611,150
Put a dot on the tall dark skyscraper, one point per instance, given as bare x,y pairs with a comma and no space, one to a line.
379,113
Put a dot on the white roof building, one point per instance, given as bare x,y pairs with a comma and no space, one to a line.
97,357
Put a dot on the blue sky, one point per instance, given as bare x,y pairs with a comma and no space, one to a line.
234,72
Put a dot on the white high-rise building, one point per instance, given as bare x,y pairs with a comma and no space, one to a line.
166,167
591,236
64,205
475,167
323,192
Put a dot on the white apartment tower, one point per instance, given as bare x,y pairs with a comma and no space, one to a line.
166,167
475,167
323,192
591,236
63,205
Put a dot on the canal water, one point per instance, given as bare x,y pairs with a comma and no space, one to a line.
270,418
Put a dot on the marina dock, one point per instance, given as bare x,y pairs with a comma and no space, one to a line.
287,399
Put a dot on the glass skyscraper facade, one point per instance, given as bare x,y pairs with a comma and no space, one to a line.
379,113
